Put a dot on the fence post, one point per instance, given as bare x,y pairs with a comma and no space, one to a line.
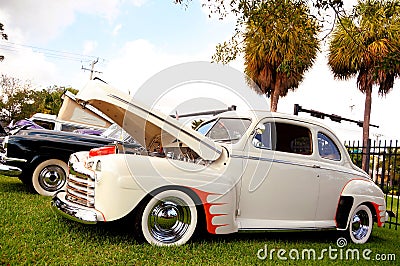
367,155
383,171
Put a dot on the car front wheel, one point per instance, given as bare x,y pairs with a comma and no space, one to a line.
360,224
169,218
49,177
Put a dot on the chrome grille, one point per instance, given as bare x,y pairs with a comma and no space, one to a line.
80,184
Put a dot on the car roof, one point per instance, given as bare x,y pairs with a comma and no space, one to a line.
258,115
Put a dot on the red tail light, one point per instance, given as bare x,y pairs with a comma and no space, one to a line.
102,151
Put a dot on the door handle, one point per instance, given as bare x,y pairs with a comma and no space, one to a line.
316,166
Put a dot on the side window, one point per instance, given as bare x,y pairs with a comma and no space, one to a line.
283,137
45,124
327,148
293,139
69,127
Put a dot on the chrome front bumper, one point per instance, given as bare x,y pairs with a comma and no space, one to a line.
73,211
9,170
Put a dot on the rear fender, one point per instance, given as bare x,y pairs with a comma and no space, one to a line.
364,191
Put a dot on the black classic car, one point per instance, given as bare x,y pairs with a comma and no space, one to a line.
39,157
3,133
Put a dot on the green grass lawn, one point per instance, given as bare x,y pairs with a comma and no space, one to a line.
30,233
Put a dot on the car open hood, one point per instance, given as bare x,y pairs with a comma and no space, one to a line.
143,123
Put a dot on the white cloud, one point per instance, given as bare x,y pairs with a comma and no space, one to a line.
24,16
139,3
42,20
37,22
116,30
89,46
28,65
108,9
138,60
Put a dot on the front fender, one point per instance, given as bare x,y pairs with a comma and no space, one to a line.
124,181
219,209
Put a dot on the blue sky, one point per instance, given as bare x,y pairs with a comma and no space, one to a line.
168,26
135,39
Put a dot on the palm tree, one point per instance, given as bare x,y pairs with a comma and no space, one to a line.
366,45
280,45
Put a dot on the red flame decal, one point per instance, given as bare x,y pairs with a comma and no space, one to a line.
211,228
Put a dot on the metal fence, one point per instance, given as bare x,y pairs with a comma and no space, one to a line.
383,165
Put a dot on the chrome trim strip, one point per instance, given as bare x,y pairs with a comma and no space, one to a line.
293,163
269,160
10,159
80,189
79,200
80,185
80,180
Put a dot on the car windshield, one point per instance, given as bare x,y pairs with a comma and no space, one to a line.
225,129
118,133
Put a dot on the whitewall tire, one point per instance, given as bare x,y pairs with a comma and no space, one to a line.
169,218
49,177
360,224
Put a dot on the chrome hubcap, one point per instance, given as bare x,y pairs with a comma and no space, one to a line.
360,225
52,178
169,220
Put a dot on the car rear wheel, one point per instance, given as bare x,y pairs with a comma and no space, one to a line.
169,218
360,224
49,177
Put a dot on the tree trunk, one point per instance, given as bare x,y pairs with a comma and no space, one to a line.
274,101
367,118
275,95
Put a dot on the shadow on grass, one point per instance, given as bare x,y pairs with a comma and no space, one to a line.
118,231
276,236
13,185
122,231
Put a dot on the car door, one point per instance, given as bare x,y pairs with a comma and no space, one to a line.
279,188
333,177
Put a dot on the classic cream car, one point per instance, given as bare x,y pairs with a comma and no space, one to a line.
236,172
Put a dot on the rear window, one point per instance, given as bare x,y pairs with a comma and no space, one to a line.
327,148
